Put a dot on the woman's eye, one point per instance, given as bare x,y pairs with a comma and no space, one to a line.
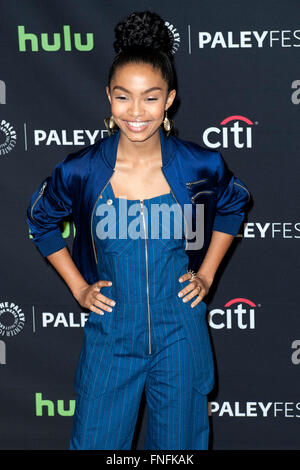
122,98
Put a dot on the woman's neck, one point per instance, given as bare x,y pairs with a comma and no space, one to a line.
139,152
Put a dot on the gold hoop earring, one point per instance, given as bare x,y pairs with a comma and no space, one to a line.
110,125
168,124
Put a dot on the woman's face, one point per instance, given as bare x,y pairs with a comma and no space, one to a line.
138,95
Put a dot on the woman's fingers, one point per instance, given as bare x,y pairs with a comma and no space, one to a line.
199,291
99,300
194,288
95,309
102,298
185,277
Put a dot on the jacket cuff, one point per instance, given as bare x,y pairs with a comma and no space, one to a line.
52,243
228,223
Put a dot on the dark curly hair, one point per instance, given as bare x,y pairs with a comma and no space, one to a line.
144,37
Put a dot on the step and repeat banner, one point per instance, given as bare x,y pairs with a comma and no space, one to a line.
239,92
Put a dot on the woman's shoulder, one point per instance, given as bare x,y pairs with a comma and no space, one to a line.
79,161
192,149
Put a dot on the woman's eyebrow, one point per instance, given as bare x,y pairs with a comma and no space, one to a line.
146,91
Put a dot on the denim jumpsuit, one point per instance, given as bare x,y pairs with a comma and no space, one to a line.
151,339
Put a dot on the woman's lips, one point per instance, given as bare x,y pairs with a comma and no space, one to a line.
136,126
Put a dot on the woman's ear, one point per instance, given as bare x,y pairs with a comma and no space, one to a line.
108,93
170,99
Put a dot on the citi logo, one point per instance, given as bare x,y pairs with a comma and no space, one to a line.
236,130
237,313
64,40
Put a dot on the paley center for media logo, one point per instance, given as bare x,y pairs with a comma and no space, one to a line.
249,39
61,137
234,130
271,230
255,409
237,313
8,135
12,320
175,35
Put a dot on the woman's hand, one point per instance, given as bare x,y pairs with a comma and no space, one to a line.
199,286
90,297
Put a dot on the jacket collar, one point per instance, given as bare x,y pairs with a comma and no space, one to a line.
110,145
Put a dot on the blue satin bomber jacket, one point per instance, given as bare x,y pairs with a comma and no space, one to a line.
196,176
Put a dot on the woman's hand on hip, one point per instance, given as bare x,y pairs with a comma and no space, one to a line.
198,286
91,298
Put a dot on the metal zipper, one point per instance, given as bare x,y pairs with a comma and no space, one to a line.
190,183
200,192
38,197
146,254
91,224
243,188
208,192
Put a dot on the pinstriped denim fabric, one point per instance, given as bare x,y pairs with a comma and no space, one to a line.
154,341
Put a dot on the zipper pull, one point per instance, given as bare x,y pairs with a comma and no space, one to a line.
37,198
190,183
43,187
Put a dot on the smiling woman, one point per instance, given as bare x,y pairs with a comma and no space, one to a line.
153,338
137,109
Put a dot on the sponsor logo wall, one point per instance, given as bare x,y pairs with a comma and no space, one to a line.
239,90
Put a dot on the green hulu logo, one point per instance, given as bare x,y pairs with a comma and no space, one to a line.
48,406
59,40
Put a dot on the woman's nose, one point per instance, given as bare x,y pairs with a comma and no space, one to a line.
135,109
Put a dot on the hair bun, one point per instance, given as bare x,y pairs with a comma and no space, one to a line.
143,29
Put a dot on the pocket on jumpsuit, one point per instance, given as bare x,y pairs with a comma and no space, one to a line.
195,324
96,353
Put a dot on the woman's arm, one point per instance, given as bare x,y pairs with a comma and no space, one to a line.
62,261
232,197
219,244
88,296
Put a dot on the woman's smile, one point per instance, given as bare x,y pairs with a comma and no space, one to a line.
137,126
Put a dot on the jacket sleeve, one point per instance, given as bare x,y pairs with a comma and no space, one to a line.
232,197
49,204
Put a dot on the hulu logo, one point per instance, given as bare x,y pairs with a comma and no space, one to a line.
59,41
48,407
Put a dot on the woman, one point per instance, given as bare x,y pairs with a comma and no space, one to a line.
147,323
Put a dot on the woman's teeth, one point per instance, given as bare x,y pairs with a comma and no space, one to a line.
137,125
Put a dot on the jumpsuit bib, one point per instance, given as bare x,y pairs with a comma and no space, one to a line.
151,339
